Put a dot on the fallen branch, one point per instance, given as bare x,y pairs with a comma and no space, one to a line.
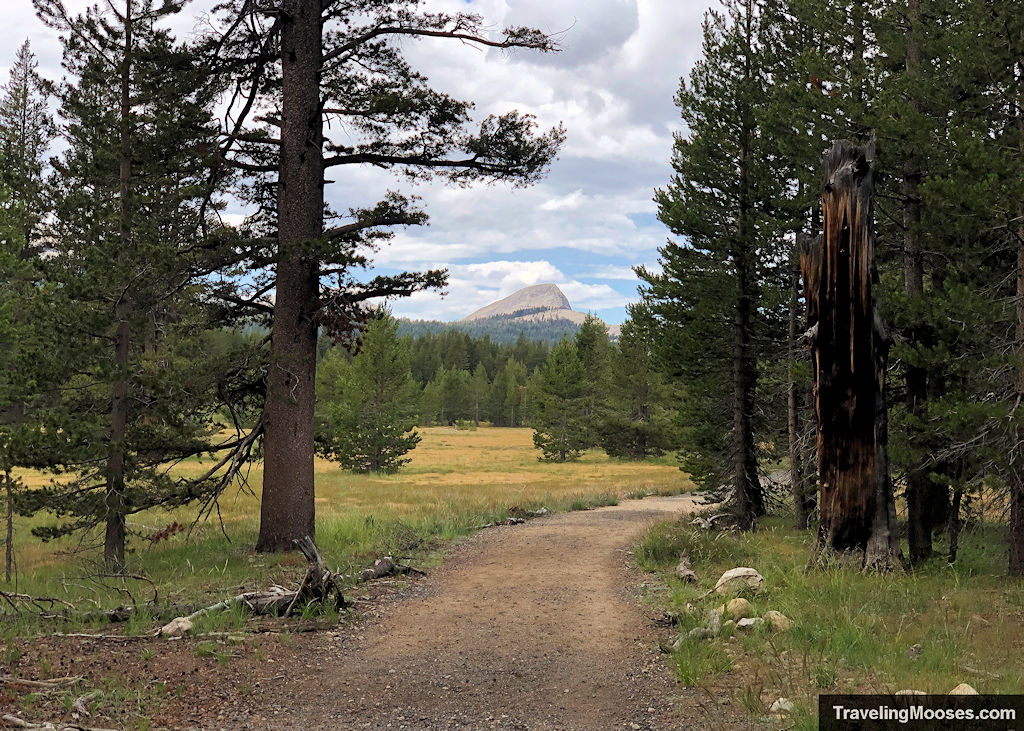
51,684
17,601
12,721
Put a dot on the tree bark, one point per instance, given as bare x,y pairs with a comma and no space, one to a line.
926,500
748,494
797,481
114,538
849,354
9,542
287,511
1016,527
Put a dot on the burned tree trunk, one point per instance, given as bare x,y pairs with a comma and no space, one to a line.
849,357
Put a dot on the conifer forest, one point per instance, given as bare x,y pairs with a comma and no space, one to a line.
828,341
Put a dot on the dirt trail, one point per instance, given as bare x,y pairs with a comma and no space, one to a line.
531,626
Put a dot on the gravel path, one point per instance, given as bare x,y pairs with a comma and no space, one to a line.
533,626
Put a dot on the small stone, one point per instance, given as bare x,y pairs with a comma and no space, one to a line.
683,570
963,689
739,608
714,623
739,579
178,627
700,633
749,623
778,621
908,691
781,706
728,626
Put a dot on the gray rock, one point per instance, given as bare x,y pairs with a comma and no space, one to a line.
739,579
728,626
700,633
683,570
714,623
749,623
908,691
781,706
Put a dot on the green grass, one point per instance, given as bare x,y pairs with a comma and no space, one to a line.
852,631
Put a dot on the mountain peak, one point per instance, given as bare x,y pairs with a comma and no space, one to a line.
535,298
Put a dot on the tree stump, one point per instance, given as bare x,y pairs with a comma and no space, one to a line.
849,353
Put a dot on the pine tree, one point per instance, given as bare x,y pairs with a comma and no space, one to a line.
638,421
594,348
558,404
478,387
128,256
707,300
26,130
367,405
343,61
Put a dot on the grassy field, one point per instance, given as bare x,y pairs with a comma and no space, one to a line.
457,480
853,632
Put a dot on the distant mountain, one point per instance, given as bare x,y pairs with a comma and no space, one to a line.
541,312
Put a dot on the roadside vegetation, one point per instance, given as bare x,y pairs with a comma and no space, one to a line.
928,629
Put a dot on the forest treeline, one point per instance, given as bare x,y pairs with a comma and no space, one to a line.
935,91
581,393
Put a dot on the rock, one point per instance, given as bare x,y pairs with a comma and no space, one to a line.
700,633
963,689
714,623
781,706
178,627
909,692
739,608
913,651
749,623
728,626
683,570
778,621
738,579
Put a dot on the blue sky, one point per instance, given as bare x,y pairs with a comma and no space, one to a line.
591,219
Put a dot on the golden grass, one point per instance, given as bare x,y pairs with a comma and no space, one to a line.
452,474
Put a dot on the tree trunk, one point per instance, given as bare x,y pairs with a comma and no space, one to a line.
801,509
850,347
925,499
749,495
113,542
9,543
1016,527
287,511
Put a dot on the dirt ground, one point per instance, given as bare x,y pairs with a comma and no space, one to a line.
532,626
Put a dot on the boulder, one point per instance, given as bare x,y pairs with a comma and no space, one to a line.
178,627
739,608
963,689
778,621
781,706
749,623
739,579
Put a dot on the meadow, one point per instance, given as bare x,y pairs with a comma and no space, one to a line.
457,480
928,629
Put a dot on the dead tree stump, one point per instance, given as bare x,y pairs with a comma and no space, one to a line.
849,353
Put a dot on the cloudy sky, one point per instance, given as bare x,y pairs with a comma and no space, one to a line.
591,219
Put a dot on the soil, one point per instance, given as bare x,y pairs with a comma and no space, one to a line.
534,626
